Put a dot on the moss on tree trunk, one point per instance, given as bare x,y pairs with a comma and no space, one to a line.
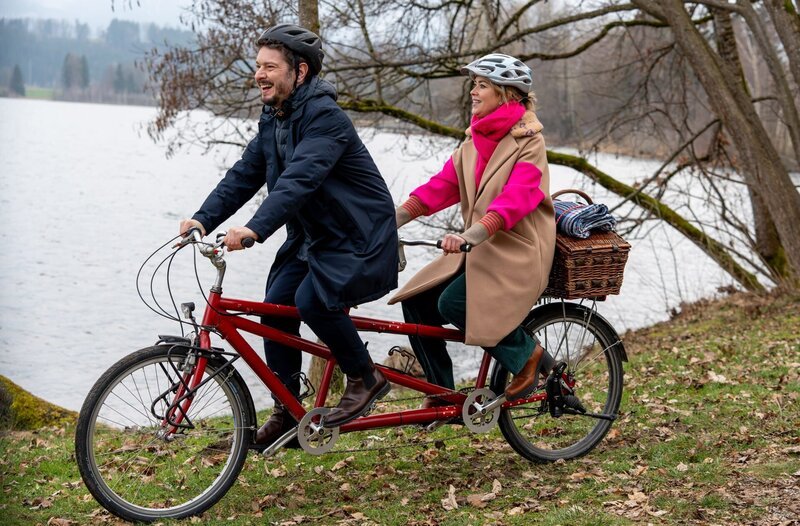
20,410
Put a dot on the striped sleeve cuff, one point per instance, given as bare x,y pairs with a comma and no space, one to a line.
493,222
415,207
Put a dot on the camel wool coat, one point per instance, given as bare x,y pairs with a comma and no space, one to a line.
507,273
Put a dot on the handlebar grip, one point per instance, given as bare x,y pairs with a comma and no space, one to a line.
248,242
466,247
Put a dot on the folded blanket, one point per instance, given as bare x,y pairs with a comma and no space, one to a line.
578,220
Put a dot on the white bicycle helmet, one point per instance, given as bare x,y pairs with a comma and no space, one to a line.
501,69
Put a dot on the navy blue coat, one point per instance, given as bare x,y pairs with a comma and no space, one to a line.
329,191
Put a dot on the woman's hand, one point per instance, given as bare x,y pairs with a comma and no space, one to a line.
451,244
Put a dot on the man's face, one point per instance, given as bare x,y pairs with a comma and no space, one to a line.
274,77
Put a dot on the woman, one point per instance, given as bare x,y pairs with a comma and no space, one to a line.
500,177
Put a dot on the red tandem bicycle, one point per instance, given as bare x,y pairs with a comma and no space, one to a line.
165,431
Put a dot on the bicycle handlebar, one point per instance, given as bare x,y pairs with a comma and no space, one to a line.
401,255
466,247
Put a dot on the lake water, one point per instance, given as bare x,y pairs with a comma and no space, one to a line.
86,196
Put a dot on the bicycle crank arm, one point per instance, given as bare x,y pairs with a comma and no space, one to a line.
282,441
599,416
492,405
433,426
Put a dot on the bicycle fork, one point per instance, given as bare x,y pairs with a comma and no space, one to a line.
183,389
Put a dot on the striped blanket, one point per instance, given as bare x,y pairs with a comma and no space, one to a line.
578,220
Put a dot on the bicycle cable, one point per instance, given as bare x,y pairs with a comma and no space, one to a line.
170,258
163,313
203,294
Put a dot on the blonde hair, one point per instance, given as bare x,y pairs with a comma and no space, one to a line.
509,93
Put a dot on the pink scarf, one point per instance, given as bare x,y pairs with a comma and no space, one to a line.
489,130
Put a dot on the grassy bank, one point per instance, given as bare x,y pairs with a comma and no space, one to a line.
710,434
34,92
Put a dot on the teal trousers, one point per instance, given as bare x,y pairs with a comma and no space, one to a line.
447,303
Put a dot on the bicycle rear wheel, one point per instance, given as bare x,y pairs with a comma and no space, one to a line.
593,353
133,467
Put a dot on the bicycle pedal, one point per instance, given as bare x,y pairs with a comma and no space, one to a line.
433,426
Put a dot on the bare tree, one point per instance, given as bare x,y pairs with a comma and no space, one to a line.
734,107
400,60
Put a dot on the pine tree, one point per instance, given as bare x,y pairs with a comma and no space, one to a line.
119,79
17,85
68,79
83,73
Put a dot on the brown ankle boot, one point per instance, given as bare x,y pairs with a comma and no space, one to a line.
279,422
357,399
525,382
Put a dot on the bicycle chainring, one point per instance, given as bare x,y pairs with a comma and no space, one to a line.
314,438
477,421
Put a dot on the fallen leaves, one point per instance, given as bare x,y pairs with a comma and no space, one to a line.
343,463
449,502
717,378
478,500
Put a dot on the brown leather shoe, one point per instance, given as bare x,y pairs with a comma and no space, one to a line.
279,422
526,381
357,399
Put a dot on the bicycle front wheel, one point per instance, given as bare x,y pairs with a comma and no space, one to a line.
141,468
593,352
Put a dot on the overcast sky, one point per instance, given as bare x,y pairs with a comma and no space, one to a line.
97,13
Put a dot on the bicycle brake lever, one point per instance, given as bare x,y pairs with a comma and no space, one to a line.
401,258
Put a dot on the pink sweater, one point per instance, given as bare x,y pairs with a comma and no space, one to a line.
521,193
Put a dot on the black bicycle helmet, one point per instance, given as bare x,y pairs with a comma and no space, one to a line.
299,40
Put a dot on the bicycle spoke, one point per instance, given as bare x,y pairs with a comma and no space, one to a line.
592,383
142,465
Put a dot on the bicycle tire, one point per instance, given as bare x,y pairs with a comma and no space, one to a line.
136,474
562,329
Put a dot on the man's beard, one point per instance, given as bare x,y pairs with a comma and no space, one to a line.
279,93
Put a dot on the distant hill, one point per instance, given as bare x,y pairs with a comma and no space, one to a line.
67,58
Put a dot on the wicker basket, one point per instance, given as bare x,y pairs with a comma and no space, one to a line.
587,268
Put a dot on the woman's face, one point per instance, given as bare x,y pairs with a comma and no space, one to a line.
485,98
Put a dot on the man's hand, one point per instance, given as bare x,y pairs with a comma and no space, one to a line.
233,240
188,224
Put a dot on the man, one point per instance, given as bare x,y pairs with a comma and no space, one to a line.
341,246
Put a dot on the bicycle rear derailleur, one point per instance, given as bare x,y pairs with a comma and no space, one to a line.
561,397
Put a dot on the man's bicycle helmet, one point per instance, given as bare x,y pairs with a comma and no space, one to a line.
501,69
299,40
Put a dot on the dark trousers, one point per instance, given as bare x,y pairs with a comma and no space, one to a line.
293,286
447,303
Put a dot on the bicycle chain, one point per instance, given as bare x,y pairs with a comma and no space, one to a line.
461,434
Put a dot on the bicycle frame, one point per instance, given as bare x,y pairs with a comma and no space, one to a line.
218,315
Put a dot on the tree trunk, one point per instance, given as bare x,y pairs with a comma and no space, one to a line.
316,370
733,106
783,91
787,25
309,19
309,14
767,243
